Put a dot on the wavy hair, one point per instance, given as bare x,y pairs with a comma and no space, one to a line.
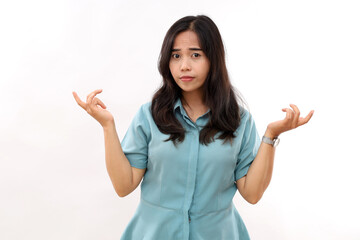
219,95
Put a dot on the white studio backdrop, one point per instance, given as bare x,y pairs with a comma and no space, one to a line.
53,179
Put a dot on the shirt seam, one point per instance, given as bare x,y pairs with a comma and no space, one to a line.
181,211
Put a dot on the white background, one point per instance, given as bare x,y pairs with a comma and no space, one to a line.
53,179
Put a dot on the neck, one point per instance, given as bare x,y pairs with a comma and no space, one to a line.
194,100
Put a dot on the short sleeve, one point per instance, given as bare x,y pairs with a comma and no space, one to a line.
135,141
249,146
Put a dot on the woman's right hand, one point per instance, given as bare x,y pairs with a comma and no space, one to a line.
96,108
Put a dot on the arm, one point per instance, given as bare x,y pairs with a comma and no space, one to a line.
124,177
253,185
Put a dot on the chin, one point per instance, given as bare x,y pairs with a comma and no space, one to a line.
188,90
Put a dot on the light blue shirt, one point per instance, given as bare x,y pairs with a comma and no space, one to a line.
187,191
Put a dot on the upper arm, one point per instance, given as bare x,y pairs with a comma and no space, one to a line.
136,140
240,184
137,174
250,144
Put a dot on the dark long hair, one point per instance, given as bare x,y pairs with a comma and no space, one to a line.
219,95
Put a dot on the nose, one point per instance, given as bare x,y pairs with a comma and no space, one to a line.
185,65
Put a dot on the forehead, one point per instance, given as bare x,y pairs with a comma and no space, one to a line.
186,39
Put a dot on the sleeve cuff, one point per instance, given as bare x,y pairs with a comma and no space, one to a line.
241,173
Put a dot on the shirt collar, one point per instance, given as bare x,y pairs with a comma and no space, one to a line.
179,105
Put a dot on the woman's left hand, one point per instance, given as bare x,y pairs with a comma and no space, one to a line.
291,121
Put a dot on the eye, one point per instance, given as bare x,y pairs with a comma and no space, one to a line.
196,55
175,56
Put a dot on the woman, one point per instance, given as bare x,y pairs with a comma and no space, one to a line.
194,145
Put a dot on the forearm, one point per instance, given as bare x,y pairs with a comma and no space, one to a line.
254,184
260,172
118,166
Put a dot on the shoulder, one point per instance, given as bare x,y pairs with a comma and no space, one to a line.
144,111
246,117
146,108
244,113
143,115
247,124
142,120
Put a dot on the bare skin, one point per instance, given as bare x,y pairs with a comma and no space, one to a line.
189,60
124,177
189,67
253,185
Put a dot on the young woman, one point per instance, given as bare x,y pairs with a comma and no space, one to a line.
194,145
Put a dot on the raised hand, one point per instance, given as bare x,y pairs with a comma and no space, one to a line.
291,121
95,107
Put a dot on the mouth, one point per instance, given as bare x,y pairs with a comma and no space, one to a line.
186,78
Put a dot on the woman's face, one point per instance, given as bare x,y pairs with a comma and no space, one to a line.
188,64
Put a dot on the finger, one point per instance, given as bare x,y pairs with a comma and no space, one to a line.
97,101
302,121
289,114
78,100
296,115
92,95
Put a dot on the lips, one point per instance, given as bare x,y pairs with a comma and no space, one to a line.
186,78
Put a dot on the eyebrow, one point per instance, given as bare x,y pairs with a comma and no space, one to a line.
193,49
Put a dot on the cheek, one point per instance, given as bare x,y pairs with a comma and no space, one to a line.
173,72
205,65
172,68
206,70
